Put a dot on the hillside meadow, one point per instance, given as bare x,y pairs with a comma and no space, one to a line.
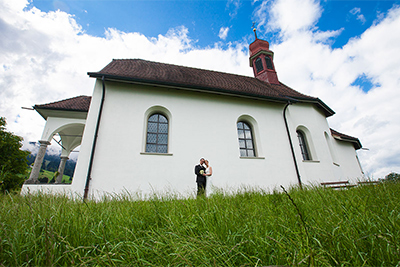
359,226
48,175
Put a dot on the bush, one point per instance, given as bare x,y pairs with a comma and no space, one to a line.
10,181
13,160
392,177
43,180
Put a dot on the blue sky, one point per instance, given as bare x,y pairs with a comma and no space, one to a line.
353,16
346,53
204,19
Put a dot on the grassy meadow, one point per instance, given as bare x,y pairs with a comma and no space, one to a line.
316,226
49,175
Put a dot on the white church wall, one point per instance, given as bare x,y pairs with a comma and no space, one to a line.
202,125
81,168
312,122
331,160
348,161
337,170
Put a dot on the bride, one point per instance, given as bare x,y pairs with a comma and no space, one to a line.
208,172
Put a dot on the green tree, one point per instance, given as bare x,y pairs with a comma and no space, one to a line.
13,161
392,177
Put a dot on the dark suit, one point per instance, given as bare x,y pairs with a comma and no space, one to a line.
201,180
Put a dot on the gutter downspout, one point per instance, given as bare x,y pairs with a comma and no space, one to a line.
291,144
88,178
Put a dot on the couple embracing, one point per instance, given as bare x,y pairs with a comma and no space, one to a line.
202,171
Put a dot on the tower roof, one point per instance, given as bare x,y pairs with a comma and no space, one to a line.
257,46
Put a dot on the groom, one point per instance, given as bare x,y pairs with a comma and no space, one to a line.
201,181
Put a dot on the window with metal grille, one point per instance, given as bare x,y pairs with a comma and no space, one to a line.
303,146
259,65
246,143
269,63
157,134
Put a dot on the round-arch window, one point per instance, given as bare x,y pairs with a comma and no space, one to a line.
259,65
303,145
246,143
157,134
268,61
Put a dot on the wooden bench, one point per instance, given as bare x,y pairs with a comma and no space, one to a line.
338,184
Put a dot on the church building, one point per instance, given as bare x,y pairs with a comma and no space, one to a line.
147,124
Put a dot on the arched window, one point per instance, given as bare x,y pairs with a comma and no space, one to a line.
259,65
246,143
157,134
269,63
305,152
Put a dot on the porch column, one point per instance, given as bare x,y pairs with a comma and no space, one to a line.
61,168
33,178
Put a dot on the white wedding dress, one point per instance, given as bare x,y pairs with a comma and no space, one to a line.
209,186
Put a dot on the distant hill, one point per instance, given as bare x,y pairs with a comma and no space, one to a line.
51,163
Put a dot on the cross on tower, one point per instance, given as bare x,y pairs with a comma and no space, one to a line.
254,30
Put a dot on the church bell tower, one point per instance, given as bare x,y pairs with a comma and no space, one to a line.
262,61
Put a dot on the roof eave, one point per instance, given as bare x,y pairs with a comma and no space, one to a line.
356,143
183,86
328,111
38,110
41,109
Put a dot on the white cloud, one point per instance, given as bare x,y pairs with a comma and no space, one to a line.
236,6
288,16
45,57
357,12
223,33
323,36
307,63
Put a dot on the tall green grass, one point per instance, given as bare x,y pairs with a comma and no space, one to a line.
316,226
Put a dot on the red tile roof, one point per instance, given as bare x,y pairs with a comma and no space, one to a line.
356,142
78,103
154,73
